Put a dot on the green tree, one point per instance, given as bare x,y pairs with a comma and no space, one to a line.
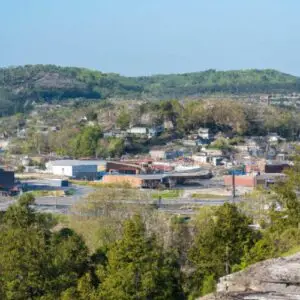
86,142
123,120
220,243
36,263
24,255
71,259
138,269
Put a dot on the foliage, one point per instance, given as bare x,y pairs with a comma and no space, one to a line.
35,262
136,268
168,194
86,142
50,83
116,250
221,242
123,120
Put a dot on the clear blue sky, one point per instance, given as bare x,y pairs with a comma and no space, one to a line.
142,37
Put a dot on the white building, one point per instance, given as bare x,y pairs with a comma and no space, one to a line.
140,131
78,169
200,158
273,138
204,133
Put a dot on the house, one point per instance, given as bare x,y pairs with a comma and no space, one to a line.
273,138
21,134
168,125
273,166
138,130
54,128
271,153
144,131
200,158
190,143
204,133
115,133
158,154
212,156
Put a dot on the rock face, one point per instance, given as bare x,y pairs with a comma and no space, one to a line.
268,280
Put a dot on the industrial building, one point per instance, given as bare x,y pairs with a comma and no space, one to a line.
77,169
7,180
154,180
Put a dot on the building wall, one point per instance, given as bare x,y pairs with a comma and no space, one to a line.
78,171
7,179
276,168
138,130
200,158
122,167
132,180
243,180
157,154
88,172
62,170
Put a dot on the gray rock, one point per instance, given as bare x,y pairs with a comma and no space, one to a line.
272,279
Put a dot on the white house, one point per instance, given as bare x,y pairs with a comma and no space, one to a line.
273,138
200,158
140,131
204,133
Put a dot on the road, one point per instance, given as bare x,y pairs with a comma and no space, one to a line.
63,204
51,203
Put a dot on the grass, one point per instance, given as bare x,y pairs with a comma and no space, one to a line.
208,196
44,193
292,251
70,192
98,184
167,194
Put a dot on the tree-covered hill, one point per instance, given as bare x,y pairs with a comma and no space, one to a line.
50,82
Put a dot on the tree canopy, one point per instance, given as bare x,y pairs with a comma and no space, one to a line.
50,83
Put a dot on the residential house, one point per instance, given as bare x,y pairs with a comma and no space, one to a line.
159,154
273,138
143,131
204,133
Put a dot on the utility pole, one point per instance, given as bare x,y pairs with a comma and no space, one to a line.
233,185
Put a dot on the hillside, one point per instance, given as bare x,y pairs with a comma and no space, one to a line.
49,82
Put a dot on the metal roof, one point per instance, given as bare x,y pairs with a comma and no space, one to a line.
75,162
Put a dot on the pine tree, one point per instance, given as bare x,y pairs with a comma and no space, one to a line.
137,268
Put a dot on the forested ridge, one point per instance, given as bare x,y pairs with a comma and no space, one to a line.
50,82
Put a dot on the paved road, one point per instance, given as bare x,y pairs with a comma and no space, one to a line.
63,204
52,203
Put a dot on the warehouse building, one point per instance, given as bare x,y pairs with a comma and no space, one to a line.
7,180
77,169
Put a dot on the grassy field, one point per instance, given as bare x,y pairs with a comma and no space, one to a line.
167,194
207,196
98,184
292,251
47,193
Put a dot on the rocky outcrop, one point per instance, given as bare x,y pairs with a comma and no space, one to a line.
268,280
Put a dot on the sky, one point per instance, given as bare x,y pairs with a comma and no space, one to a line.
144,37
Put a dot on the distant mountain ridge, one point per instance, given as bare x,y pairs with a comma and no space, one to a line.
50,82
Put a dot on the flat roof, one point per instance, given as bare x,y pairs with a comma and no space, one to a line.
164,175
151,176
270,176
76,162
